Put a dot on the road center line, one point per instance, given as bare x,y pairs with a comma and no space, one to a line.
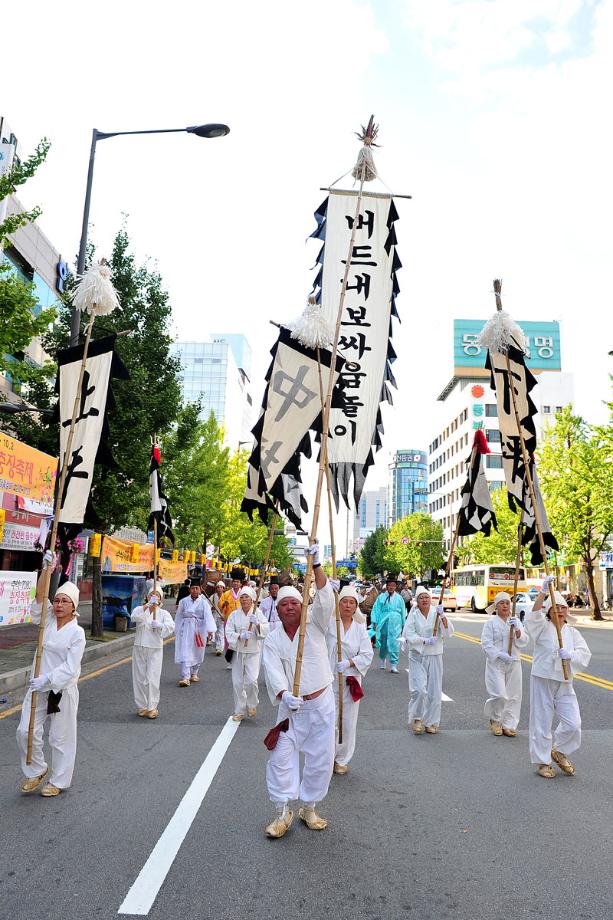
139,899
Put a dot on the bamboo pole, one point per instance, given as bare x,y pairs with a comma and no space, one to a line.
155,560
529,480
308,577
515,581
53,537
447,569
271,536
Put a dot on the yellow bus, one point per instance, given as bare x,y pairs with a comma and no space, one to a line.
475,586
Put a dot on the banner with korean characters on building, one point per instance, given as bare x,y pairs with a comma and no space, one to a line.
366,327
543,352
137,558
28,473
17,591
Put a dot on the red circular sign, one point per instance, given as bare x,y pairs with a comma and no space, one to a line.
477,391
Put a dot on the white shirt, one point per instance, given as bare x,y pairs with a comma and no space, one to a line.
146,635
269,609
279,655
62,650
355,646
495,639
546,661
418,627
236,623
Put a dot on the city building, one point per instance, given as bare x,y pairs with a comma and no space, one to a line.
209,372
468,403
371,513
408,484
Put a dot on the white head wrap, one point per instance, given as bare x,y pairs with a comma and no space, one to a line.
421,590
348,591
157,591
70,590
501,596
220,583
559,599
288,591
247,592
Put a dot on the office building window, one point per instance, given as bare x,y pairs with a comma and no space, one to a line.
492,435
546,410
493,462
491,410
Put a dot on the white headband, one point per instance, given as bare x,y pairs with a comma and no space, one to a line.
288,591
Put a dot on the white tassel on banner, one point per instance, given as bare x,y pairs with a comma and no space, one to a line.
95,292
313,328
501,331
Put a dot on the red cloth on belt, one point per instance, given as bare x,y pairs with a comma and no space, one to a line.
198,640
354,688
272,737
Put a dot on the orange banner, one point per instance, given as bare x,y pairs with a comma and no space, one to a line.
118,556
25,471
172,573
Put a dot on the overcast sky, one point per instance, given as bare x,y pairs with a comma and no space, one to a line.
494,115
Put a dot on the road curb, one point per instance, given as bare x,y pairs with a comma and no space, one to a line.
14,680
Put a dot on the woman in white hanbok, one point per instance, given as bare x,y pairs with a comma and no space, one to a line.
153,625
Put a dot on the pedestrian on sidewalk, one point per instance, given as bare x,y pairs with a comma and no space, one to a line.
388,617
425,661
305,723
503,676
153,625
550,694
269,605
57,692
357,655
194,624
246,629
218,591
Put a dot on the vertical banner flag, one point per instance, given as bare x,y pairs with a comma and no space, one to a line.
159,502
366,328
476,509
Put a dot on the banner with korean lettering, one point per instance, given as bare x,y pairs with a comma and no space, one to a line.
118,556
26,472
17,591
90,441
366,326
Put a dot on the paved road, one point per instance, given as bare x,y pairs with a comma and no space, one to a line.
451,826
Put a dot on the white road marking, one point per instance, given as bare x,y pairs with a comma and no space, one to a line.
139,899
444,697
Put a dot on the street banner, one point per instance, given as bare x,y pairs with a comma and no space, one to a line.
117,556
17,591
26,472
19,537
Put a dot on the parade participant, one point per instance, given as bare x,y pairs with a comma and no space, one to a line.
358,653
550,694
306,722
425,662
215,598
245,630
194,624
183,590
269,605
228,602
153,625
503,677
57,693
387,617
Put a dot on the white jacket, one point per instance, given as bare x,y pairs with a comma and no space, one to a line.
62,650
418,627
495,639
236,623
146,635
355,645
546,660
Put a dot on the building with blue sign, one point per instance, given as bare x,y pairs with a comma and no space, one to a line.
408,484
468,403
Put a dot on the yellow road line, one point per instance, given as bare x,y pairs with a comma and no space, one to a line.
601,682
97,673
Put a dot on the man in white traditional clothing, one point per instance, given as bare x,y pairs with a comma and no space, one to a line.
503,675
550,694
357,655
425,661
305,722
153,625
218,616
246,628
194,624
57,692
269,605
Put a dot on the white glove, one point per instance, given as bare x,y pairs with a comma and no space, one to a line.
49,559
515,622
253,618
440,610
335,584
313,551
156,624
565,654
402,643
546,582
245,635
343,665
37,683
292,702
504,656
430,640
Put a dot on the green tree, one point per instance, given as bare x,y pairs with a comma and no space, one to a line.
501,545
372,559
423,550
19,320
575,468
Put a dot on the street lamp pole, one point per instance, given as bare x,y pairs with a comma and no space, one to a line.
208,130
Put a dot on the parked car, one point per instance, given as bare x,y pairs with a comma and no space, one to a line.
523,604
450,601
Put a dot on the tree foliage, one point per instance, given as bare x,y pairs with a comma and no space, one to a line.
423,551
501,545
372,559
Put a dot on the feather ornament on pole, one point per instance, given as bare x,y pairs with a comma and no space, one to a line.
95,293
312,328
365,169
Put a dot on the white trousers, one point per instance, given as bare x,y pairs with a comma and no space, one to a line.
188,670
62,737
311,732
549,698
219,632
503,683
146,673
344,751
245,671
426,686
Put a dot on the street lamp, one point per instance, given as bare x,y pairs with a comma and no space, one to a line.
208,130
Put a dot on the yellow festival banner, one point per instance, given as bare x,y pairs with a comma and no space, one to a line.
131,558
25,471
